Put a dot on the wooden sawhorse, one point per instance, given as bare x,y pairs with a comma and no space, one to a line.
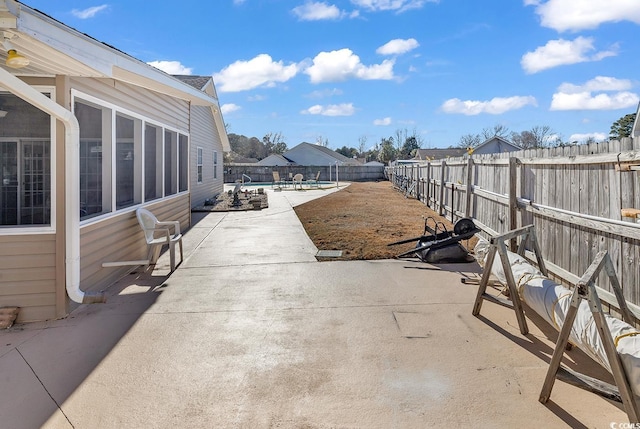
586,289
497,245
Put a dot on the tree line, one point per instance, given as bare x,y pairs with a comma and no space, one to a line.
404,143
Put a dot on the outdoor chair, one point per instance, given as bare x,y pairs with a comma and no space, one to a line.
276,179
297,180
157,234
314,182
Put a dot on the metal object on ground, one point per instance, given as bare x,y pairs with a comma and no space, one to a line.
437,245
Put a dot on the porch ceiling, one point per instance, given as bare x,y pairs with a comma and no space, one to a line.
44,60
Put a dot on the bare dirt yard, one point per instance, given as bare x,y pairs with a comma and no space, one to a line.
362,219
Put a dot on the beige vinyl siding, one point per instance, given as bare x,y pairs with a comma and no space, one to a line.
27,275
167,110
119,238
204,134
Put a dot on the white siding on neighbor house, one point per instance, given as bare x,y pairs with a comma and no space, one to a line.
204,134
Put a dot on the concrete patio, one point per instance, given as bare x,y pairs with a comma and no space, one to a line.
252,332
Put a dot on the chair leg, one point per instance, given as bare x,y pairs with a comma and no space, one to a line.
181,252
172,255
154,253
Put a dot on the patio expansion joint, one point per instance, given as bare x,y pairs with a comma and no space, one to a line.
325,307
45,387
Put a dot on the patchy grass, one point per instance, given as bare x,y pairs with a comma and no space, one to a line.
362,219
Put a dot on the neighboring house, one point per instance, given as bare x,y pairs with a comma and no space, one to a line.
432,154
275,160
316,155
373,164
495,145
87,135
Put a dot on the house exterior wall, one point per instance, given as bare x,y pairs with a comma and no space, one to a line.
159,107
118,237
204,134
32,265
28,267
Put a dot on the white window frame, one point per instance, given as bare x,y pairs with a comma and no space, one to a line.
215,164
115,109
199,167
51,228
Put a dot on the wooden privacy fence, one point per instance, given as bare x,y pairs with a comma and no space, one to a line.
573,195
261,173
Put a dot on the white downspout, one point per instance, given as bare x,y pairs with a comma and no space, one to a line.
72,186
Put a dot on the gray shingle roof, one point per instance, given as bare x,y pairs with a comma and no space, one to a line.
197,82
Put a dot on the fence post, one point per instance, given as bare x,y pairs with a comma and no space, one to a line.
442,167
513,199
428,195
467,209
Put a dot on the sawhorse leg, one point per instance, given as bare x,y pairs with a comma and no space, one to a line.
586,289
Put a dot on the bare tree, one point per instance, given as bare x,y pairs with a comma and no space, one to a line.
469,141
320,141
498,130
537,137
362,144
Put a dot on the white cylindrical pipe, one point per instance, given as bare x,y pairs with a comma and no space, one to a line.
72,186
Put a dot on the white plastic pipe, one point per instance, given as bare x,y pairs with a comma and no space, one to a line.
72,186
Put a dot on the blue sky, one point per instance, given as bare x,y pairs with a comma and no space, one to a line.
360,70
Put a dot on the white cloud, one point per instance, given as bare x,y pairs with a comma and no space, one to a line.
171,67
587,101
325,93
599,83
582,138
317,11
495,106
229,107
575,15
397,47
592,95
260,71
257,97
344,109
562,52
336,66
383,121
397,5
89,12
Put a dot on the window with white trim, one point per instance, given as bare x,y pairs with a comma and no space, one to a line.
215,164
25,164
183,163
199,164
125,159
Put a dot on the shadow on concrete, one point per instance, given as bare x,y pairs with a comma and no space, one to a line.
50,360
574,359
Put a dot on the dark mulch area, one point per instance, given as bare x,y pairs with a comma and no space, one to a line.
225,202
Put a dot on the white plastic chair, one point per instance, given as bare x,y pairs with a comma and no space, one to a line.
297,180
314,182
157,234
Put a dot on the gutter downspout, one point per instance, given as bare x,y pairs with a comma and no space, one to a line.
72,187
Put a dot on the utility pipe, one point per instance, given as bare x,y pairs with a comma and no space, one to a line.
72,186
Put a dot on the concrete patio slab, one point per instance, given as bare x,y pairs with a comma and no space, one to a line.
263,336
